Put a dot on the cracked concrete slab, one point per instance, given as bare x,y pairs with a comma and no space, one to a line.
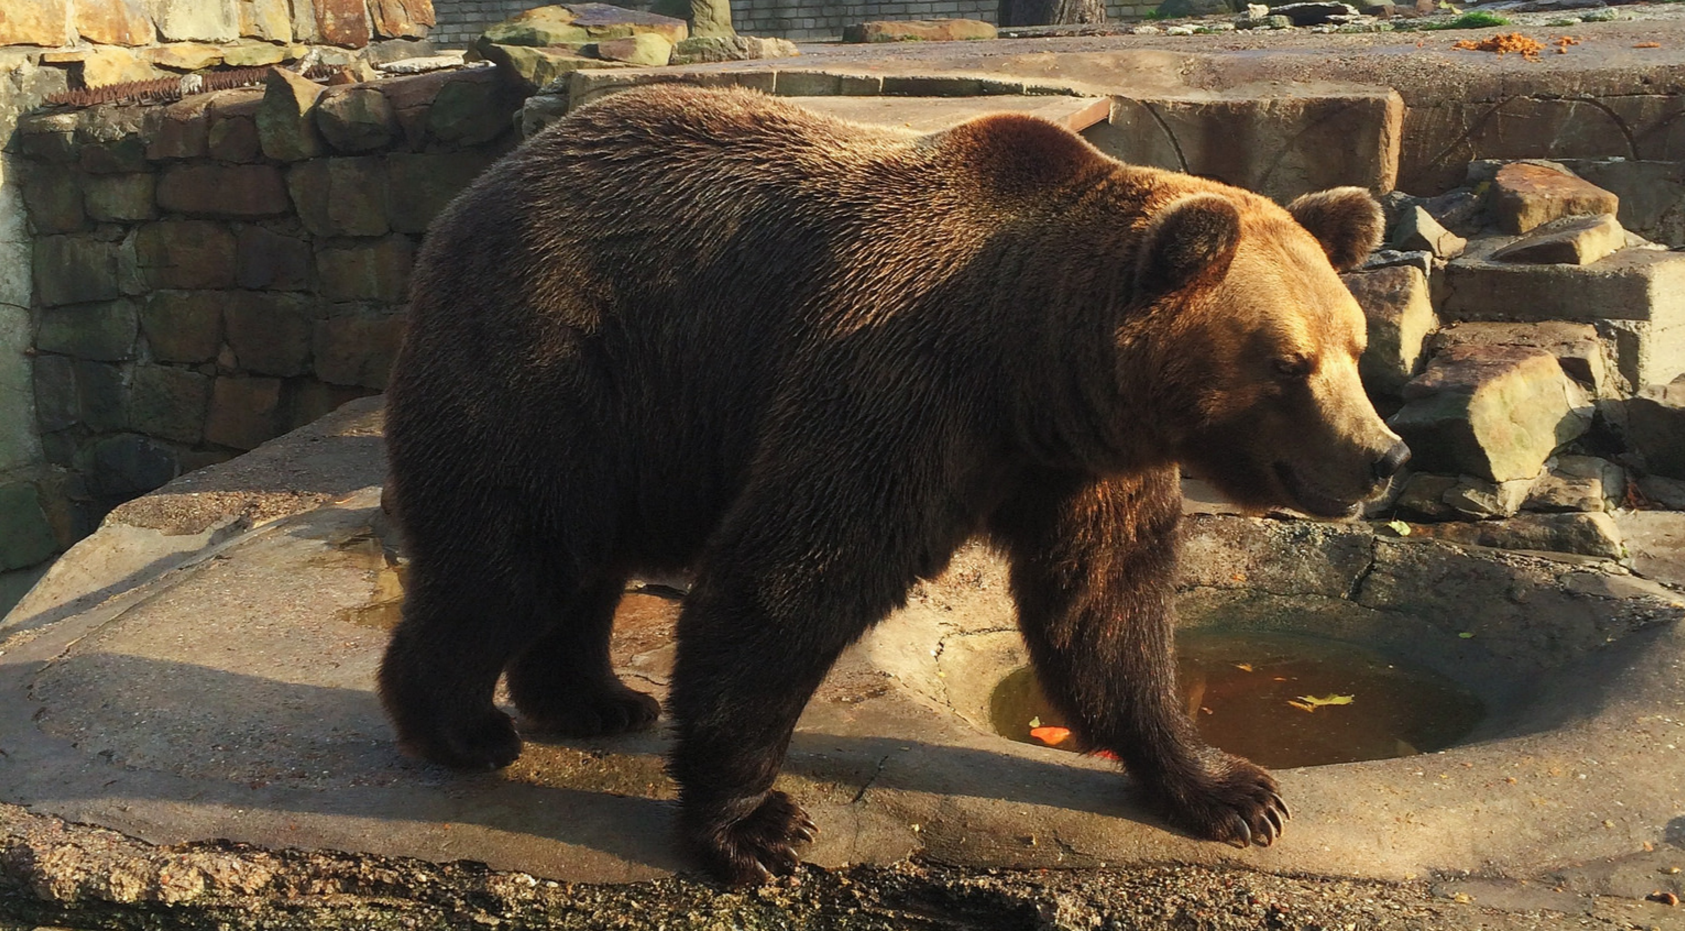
230,696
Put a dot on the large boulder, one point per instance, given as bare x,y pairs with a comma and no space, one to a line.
1525,195
1494,412
1396,301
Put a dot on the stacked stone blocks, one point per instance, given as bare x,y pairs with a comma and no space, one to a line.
212,273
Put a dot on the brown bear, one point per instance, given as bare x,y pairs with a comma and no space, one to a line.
807,359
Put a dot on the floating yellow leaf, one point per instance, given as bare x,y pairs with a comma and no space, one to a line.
1311,702
1399,527
1243,667
1035,721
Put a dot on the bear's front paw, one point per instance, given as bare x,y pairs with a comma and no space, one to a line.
1236,802
753,849
482,742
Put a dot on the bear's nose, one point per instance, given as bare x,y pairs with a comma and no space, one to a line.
1388,465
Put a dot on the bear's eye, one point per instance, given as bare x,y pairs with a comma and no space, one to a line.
1292,366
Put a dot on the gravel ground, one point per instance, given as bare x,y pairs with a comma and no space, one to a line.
55,875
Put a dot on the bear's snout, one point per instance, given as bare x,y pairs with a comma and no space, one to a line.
1390,462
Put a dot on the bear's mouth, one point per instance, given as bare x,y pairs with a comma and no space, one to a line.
1310,499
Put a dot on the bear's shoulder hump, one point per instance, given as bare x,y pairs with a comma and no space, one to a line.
1016,150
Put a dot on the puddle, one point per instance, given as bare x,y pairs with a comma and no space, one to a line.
1282,701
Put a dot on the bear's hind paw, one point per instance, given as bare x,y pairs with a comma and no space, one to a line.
488,742
753,850
615,710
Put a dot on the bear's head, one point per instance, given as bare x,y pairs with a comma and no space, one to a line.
1261,363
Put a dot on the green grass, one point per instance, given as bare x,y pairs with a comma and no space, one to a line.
1475,20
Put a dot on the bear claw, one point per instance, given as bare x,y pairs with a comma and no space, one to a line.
614,711
754,849
487,743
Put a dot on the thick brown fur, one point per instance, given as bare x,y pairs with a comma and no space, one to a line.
807,359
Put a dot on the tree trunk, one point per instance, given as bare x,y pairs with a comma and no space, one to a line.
1050,12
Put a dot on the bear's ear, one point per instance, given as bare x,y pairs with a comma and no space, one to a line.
1192,239
1346,220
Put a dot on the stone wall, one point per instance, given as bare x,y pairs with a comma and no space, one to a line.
211,273
48,46
461,21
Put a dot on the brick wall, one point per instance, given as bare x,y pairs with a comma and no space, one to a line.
460,21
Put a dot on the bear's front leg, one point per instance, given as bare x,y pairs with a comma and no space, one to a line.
1093,574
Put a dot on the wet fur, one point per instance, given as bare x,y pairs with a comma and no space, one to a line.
807,359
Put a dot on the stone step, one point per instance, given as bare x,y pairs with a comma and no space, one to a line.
929,114
1279,146
1636,298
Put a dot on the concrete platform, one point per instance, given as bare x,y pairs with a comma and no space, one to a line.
217,684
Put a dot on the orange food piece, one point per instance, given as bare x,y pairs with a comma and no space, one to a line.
1105,754
1505,43
1052,736
1648,45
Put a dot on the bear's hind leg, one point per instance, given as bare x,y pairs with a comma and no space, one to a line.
564,683
460,627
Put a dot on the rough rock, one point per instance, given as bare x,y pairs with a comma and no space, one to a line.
256,54
231,191
1423,496
29,536
1313,13
190,254
704,49
1666,492
1477,499
178,130
285,128
127,465
339,22
50,193
365,270
1653,424
1592,534
1494,412
340,196
401,18
185,56
113,22
581,22
169,402
1400,314
196,21
1578,483
121,198
266,259
357,349
1417,230
37,22
103,332
266,19
356,118
711,18
75,269
533,67
270,333
1570,241
1576,346
1295,143
102,65
1526,195
472,108
244,412
183,326
644,49
423,183
919,30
